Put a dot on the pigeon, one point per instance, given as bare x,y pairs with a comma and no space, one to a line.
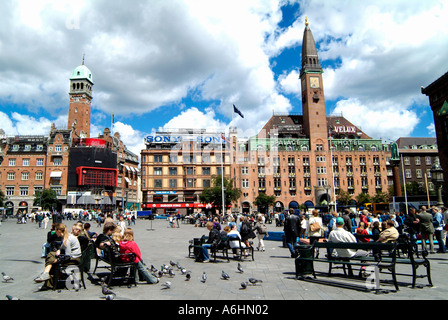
254,281
160,273
240,268
172,263
171,273
225,275
188,276
178,266
106,291
204,277
166,285
153,269
11,297
183,271
109,297
6,278
243,285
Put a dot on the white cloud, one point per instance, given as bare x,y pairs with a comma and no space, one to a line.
431,129
386,122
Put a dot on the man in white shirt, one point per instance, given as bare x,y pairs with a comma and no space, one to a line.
341,235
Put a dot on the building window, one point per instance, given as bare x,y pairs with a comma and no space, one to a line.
407,161
57,161
58,148
40,162
24,191
57,190
408,173
206,183
26,162
245,183
321,170
173,183
428,161
38,189
158,171
157,183
11,176
9,191
417,161
39,175
158,158
419,173
206,171
12,162
172,171
190,170
244,170
25,176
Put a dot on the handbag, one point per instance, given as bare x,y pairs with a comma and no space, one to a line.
315,226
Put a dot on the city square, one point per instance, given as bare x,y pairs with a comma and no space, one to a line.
160,244
219,108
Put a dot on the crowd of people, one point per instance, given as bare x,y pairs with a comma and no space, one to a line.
66,246
421,225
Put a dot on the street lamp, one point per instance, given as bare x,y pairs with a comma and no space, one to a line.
437,179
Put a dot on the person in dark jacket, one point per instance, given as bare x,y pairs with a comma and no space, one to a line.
214,238
291,229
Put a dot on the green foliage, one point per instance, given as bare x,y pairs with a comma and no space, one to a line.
213,194
47,199
263,201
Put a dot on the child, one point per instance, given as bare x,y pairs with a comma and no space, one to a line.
361,230
128,245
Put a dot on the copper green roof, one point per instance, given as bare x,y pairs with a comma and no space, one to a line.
82,72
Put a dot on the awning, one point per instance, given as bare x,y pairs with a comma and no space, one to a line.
56,174
127,179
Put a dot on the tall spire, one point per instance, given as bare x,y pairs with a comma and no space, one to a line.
310,58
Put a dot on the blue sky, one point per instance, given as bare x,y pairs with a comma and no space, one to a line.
170,63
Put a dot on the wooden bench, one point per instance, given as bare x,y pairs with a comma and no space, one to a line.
117,267
407,253
376,259
240,249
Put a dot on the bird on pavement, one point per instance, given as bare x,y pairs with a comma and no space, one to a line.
243,285
6,278
166,285
225,275
188,276
240,268
106,291
172,263
204,277
255,281
9,297
109,297
171,273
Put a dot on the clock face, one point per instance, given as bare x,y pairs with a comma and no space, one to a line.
314,82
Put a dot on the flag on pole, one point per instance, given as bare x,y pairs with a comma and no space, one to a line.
224,138
235,109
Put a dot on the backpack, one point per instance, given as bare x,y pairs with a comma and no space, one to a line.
262,229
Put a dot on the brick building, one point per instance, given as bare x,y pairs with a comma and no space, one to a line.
84,172
437,93
301,159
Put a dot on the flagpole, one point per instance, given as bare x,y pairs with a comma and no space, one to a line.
222,179
404,183
332,170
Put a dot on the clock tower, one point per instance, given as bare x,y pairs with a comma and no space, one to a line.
80,94
313,101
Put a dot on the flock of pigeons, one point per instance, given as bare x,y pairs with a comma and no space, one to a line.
165,271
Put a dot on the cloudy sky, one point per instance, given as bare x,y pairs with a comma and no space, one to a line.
161,64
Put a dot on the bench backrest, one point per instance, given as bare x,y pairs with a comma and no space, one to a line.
389,246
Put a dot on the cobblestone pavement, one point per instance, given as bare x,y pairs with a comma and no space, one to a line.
20,257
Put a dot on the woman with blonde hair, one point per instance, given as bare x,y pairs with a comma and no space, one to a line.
70,251
314,228
128,245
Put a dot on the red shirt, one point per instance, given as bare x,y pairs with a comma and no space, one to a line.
130,247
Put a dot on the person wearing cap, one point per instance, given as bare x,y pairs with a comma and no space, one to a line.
340,235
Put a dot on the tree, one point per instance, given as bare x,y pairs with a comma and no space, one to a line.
2,198
344,198
213,194
47,199
363,198
380,197
263,201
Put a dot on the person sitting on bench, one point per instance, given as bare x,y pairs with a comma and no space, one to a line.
341,235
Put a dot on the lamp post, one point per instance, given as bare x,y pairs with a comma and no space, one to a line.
437,179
